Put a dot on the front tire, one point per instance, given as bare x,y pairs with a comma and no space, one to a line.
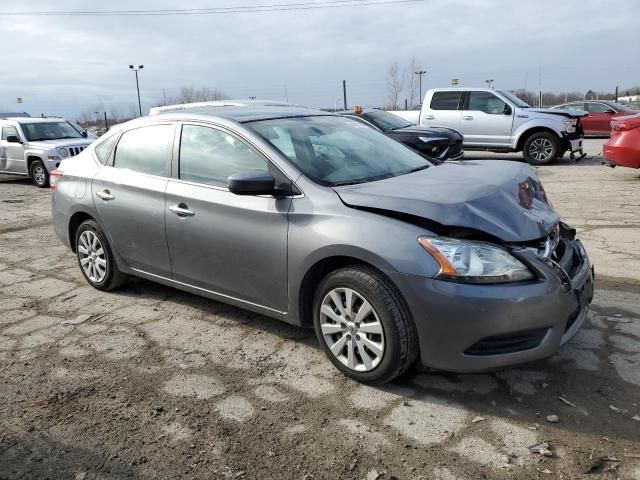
95,258
363,325
39,174
541,148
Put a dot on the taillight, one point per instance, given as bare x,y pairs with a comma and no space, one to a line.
53,179
623,127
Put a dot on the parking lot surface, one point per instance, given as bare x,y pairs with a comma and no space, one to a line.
151,382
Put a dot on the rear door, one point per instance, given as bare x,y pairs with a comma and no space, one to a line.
232,245
443,110
128,194
486,120
599,119
11,154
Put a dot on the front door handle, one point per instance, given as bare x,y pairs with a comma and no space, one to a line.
467,117
182,210
105,195
429,117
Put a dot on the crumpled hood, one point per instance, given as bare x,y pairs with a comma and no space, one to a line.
61,142
501,198
558,111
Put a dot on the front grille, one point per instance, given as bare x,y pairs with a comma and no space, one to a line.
509,343
73,151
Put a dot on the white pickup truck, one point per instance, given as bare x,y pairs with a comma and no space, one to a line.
497,121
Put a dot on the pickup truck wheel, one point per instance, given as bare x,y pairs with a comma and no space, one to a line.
541,148
39,174
95,258
363,325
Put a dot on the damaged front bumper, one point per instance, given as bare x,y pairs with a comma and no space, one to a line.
476,328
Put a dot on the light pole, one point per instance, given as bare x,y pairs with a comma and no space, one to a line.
420,73
489,83
135,69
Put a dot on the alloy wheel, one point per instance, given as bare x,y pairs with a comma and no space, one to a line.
92,256
351,329
541,149
39,175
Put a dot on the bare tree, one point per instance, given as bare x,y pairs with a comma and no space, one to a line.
412,82
191,95
395,84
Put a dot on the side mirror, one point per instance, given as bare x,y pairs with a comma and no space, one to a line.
13,139
611,112
507,109
251,182
84,134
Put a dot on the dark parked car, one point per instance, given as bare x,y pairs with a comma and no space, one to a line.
600,114
318,220
437,143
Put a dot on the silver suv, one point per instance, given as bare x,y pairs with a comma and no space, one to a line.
35,146
318,220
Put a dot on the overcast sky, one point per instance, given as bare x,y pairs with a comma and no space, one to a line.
65,65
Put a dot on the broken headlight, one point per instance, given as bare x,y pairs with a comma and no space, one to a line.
474,262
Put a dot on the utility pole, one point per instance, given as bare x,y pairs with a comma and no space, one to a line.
616,93
489,83
286,95
420,73
106,125
136,69
344,93
97,118
164,97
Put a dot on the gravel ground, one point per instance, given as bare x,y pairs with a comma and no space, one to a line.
164,384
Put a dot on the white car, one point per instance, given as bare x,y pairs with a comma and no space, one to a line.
498,121
34,147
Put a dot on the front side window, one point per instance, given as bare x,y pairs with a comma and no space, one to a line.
49,131
486,102
445,100
9,130
333,150
144,149
209,156
598,108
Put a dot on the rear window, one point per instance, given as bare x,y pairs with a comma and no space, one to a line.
445,100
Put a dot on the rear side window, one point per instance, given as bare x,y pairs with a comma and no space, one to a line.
9,130
209,156
104,149
597,108
144,149
445,100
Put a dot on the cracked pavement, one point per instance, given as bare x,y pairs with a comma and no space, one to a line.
160,383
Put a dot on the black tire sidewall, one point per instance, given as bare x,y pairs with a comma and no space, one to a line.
549,136
111,267
46,173
386,308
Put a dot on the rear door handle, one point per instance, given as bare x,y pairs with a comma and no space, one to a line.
467,117
182,210
105,195
429,117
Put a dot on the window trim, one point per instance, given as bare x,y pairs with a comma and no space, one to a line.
175,160
168,156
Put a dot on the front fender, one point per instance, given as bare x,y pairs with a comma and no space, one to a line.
557,127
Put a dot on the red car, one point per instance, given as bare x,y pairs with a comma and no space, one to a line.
624,146
600,114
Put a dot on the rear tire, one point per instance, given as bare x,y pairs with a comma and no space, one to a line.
39,174
541,148
373,345
95,258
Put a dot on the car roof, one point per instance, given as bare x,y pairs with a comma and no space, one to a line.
36,119
241,113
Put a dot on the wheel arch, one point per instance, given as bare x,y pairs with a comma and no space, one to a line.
532,131
32,158
316,272
75,221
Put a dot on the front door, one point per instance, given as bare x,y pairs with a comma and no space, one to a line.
129,197
233,245
598,122
486,120
11,153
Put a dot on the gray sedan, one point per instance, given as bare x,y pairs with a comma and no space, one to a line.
318,220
